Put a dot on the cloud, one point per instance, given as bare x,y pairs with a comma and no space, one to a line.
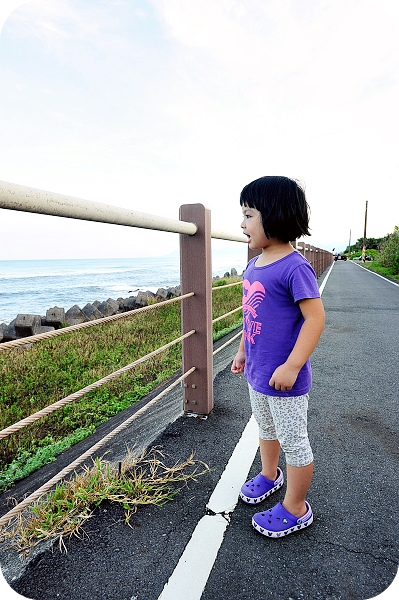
172,101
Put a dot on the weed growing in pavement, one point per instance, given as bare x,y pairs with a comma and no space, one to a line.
135,482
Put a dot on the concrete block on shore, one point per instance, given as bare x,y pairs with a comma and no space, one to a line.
55,317
3,326
106,309
173,292
75,315
44,329
129,303
143,297
26,325
114,304
9,332
162,294
91,312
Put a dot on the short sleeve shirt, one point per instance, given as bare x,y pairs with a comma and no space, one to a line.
272,319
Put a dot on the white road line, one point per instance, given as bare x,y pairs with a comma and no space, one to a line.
189,578
323,284
377,274
191,573
224,497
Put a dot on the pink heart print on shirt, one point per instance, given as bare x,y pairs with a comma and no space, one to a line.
253,295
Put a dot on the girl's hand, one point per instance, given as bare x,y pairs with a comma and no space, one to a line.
284,377
238,363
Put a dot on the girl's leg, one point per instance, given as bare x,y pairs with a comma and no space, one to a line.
290,418
298,483
268,443
269,454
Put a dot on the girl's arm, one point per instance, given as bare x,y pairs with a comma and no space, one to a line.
285,375
239,359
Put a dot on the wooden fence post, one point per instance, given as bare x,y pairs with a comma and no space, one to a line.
253,253
196,276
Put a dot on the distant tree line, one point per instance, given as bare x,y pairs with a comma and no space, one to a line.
386,250
371,244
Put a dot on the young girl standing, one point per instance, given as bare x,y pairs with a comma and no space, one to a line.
283,320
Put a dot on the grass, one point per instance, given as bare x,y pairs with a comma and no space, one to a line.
32,378
135,482
375,264
377,268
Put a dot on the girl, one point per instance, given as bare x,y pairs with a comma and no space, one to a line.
283,320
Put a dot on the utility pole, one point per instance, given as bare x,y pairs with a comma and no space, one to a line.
364,235
350,239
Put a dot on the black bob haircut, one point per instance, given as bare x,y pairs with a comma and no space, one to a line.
282,204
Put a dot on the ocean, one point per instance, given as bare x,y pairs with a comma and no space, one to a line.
33,286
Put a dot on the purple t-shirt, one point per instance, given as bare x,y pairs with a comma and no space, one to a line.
272,319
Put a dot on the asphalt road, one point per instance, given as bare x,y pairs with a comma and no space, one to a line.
351,550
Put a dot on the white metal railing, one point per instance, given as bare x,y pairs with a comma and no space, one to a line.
27,199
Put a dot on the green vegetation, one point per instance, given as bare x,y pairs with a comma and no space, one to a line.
371,244
35,377
389,252
134,482
358,254
381,270
384,253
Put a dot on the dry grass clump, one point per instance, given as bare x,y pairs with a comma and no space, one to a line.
137,481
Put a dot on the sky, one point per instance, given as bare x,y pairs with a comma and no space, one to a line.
151,104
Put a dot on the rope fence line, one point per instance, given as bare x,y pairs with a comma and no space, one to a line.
228,343
62,474
60,403
227,314
221,287
50,334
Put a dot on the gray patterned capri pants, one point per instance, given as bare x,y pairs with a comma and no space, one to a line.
284,419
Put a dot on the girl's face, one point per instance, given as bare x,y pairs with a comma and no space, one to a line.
252,227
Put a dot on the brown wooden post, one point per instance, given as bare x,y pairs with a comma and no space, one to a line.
196,312
252,253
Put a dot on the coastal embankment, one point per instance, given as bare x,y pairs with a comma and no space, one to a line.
28,324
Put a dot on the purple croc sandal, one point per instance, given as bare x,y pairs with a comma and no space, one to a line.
278,522
257,489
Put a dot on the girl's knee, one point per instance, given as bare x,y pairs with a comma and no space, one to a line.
299,456
267,432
